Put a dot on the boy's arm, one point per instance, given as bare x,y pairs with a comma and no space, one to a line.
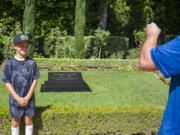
31,90
11,90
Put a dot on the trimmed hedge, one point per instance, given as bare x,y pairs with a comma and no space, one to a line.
86,120
85,64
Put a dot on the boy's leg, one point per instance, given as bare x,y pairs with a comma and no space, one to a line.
29,125
28,120
15,126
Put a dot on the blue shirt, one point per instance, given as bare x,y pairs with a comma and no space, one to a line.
21,75
167,59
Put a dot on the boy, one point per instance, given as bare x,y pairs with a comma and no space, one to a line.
20,76
166,58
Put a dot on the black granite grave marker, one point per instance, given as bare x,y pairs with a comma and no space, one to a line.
64,82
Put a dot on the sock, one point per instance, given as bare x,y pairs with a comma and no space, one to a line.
15,131
29,129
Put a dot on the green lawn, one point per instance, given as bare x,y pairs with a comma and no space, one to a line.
108,88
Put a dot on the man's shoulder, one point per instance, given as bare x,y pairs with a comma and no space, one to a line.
178,37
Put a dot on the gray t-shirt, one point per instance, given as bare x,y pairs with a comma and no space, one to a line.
21,75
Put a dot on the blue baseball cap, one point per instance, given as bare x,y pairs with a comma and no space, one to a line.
19,38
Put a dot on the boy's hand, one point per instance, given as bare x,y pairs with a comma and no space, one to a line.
26,98
26,101
22,102
152,31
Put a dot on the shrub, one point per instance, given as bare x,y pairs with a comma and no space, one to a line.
101,40
118,55
133,53
87,120
58,64
117,46
57,44
6,40
62,46
66,46
140,37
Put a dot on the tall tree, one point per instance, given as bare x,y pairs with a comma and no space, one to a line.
104,10
29,23
80,21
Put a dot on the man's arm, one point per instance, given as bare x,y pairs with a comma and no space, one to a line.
11,90
152,34
31,90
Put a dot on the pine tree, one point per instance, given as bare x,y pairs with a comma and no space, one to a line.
29,23
80,20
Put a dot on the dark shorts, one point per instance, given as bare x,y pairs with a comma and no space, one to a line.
17,112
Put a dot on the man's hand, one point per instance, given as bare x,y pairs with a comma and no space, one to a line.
152,31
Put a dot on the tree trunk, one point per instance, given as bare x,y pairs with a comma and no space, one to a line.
100,52
80,21
104,10
103,19
29,23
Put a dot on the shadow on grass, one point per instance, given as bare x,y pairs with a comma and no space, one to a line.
37,121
